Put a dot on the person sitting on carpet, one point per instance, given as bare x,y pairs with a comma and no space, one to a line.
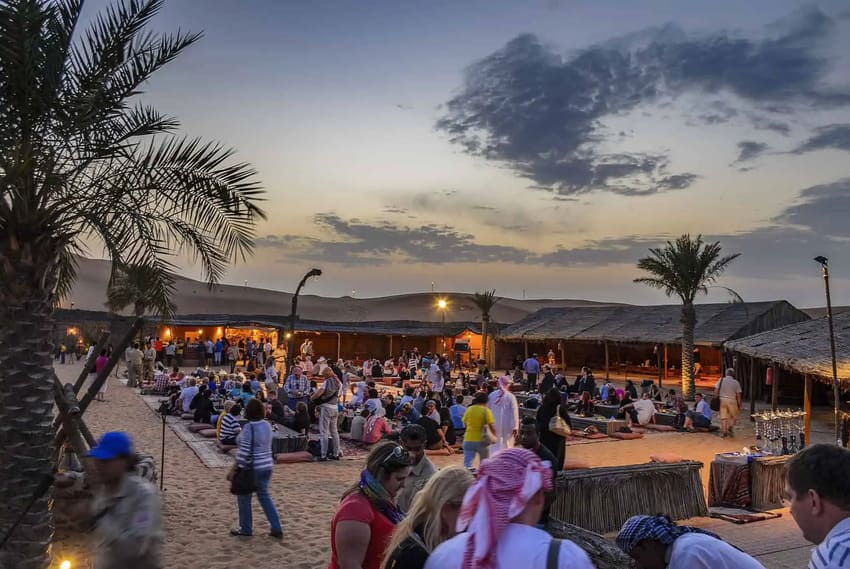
408,414
276,413
358,425
456,411
585,405
700,416
656,542
246,394
414,439
376,425
203,406
299,421
230,426
644,409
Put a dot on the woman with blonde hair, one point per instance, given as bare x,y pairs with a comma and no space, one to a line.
431,520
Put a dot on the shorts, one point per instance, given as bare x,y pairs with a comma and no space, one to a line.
728,409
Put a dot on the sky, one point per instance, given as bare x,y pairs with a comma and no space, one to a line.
538,148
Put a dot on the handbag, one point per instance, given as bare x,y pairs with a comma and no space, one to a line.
714,404
487,436
242,478
558,426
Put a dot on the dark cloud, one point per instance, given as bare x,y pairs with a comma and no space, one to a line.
356,242
833,136
764,123
750,150
539,114
824,209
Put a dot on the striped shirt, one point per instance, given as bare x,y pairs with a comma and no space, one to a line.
260,432
834,551
229,427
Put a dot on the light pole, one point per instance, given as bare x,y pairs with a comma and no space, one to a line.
290,346
442,304
824,264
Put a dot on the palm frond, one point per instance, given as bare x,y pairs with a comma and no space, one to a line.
485,301
149,285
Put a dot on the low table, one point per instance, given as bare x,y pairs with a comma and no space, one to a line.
604,425
757,482
286,440
607,410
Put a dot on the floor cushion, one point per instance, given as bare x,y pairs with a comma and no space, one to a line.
571,463
188,416
288,457
626,436
666,457
596,436
223,447
198,427
654,427
208,433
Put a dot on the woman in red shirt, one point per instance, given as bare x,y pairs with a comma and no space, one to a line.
364,522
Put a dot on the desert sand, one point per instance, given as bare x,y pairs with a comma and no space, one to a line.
198,509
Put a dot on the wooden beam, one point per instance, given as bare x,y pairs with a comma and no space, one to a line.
752,387
807,407
665,361
525,345
563,358
607,370
774,389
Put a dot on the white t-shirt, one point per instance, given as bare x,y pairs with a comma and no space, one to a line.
645,410
730,388
187,395
435,378
519,546
700,551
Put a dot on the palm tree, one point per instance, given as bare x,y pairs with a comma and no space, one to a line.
82,163
134,285
485,301
685,269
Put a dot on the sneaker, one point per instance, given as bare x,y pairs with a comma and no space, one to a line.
334,457
277,534
238,533
322,459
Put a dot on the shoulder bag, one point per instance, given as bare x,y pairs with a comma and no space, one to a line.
553,554
242,478
557,424
715,401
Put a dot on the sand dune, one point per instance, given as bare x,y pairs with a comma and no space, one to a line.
194,297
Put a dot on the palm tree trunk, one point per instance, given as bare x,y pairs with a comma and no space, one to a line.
689,321
485,321
27,277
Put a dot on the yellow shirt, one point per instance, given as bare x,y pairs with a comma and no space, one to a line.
475,418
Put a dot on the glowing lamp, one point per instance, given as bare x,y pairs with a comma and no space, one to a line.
441,304
65,565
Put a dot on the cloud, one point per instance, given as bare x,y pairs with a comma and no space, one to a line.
541,114
823,209
832,136
355,242
750,150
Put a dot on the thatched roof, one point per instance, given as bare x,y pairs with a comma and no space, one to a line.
716,323
384,327
802,347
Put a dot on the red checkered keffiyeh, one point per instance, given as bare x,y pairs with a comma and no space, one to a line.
504,487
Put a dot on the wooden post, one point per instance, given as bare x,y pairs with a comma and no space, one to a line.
658,364
752,386
774,391
339,346
525,345
391,347
607,371
807,407
563,358
665,361
101,343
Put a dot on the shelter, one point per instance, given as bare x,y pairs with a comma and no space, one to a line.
645,340
349,340
796,355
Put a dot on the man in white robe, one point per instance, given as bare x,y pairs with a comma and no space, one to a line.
503,405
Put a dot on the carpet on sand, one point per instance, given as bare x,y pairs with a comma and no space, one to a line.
741,515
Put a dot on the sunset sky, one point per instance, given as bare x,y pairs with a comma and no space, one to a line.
536,146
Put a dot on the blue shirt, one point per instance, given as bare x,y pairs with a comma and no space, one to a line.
703,408
456,412
834,551
531,365
218,346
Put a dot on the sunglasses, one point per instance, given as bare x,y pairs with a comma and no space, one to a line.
399,457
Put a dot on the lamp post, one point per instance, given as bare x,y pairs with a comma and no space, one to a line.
290,345
824,263
442,304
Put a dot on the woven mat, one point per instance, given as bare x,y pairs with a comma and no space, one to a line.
204,448
741,515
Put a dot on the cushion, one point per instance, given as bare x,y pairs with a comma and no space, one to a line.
640,430
666,457
198,427
596,436
287,457
654,427
223,447
188,416
571,463
208,433
626,436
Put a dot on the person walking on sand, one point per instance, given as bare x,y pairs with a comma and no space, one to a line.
729,391
134,365
326,399
505,410
531,367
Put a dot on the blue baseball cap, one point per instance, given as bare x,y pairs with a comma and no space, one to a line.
112,445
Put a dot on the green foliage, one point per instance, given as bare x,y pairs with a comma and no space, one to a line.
684,268
142,288
82,161
485,301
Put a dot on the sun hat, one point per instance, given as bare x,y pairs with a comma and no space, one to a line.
112,445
